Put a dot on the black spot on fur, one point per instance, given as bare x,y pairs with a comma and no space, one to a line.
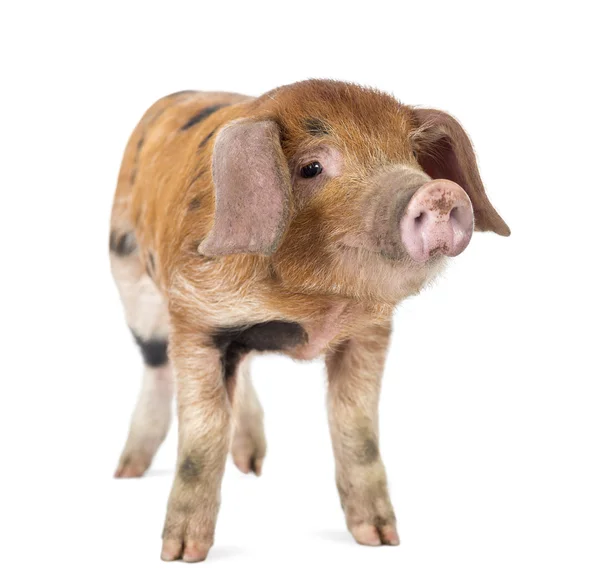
276,335
202,115
194,204
122,245
191,468
368,452
207,138
154,351
316,127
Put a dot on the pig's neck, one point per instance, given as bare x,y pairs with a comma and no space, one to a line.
335,323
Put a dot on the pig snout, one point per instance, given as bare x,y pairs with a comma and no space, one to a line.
437,219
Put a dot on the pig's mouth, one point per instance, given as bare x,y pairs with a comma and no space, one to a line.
391,257
372,248
387,276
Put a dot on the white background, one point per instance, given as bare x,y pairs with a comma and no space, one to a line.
490,403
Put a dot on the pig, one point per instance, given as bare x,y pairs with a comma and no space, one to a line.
292,223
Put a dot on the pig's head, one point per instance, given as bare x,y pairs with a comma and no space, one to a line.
347,191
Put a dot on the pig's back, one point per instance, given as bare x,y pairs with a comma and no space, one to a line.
179,115
168,151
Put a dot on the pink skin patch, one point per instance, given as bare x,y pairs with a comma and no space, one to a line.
321,331
438,219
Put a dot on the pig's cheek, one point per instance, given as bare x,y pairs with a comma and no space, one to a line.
305,190
364,235
360,240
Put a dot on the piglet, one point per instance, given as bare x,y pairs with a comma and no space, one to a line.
291,223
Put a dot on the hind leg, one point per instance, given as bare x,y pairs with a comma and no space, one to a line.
149,423
146,315
249,446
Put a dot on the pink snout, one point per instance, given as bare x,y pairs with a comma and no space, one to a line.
438,219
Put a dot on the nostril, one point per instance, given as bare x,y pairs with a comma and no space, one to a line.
420,219
461,216
455,214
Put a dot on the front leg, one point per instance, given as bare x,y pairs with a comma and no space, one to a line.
204,437
354,370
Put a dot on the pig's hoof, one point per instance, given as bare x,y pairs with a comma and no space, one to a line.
190,552
132,465
247,463
248,451
189,528
376,534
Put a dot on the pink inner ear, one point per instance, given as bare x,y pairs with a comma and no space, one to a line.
252,190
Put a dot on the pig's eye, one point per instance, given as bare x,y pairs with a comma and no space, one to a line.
311,170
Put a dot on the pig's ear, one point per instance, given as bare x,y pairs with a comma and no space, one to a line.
252,190
444,151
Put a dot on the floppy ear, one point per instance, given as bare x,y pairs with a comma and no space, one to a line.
252,190
444,151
